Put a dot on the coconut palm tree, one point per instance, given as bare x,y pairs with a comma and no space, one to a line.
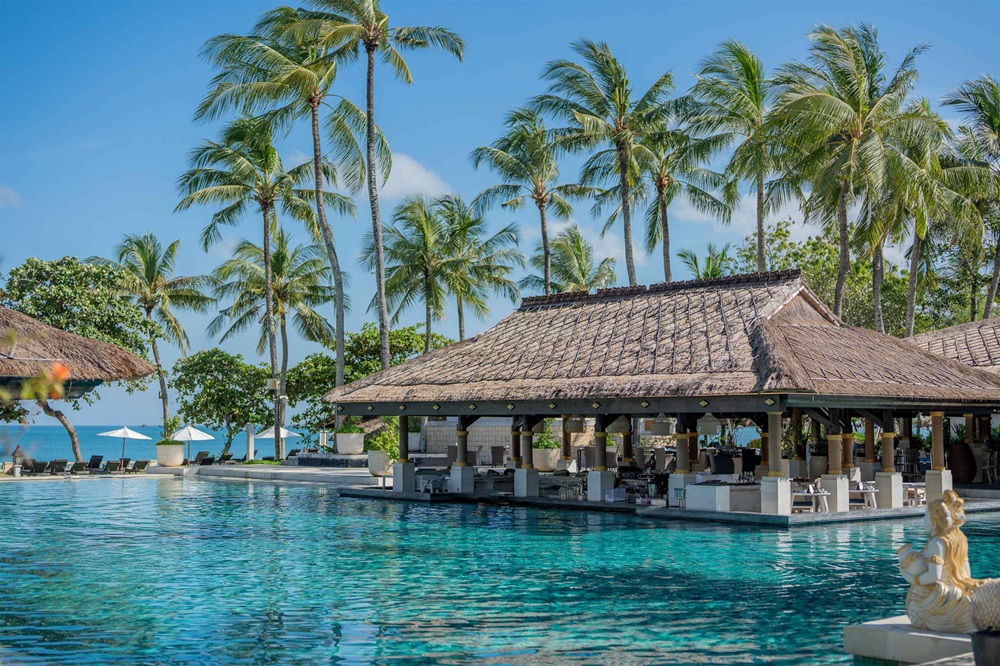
300,283
732,98
350,28
596,100
419,261
717,262
147,269
838,114
979,103
289,77
484,262
573,266
672,167
240,172
524,157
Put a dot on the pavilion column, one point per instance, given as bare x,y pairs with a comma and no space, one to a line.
905,432
463,443
515,442
681,444
627,453
567,439
970,428
889,482
404,438
798,446
683,475
527,442
765,449
984,428
834,445
463,476
600,480
888,452
774,443
834,480
868,466
937,479
847,442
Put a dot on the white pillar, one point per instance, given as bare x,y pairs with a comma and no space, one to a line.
776,495
837,486
250,451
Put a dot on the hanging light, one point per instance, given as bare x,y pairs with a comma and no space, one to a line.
621,424
573,424
709,426
661,425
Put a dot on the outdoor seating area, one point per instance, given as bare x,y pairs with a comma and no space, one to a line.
62,467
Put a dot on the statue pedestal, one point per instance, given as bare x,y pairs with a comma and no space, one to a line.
837,486
895,641
890,490
938,481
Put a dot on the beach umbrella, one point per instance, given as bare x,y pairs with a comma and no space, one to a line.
269,434
124,433
190,434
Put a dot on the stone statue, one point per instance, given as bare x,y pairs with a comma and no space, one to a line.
943,594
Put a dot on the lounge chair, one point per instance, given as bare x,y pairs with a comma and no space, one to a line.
208,460
40,467
125,463
95,463
113,466
291,454
267,458
139,467
58,466
225,458
79,468
201,455
472,458
498,456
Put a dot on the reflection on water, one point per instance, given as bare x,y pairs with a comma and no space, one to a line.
184,571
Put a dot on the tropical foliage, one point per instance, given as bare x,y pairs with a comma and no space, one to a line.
573,266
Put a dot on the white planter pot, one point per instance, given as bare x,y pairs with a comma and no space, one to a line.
818,466
379,463
350,443
413,441
545,460
169,455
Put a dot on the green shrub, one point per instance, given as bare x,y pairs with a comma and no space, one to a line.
350,426
387,440
169,442
415,425
262,462
544,440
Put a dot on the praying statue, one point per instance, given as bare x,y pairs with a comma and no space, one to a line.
943,594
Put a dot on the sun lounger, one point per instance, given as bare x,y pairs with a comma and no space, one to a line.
139,467
208,460
125,463
113,466
40,467
79,468
291,454
58,466
225,458
95,463
201,455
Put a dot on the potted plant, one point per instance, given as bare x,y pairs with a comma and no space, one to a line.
169,453
986,646
350,438
544,451
383,451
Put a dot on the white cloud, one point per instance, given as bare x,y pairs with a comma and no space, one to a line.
9,198
410,177
295,158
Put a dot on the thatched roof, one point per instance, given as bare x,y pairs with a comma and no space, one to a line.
36,346
976,343
734,336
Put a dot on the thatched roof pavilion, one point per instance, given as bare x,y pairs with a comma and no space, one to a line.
744,344
36,346
976,343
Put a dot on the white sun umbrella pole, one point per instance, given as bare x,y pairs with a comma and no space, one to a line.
190,434
125,433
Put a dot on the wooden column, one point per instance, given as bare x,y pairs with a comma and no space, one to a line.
888,451
681,444
798,446
765,449
774,443
905,431
984,428
527,440
567,440
627,453
847,442
404,438
870,443
462,432
937,440
970,429
835,449
693,442
600,444
515,440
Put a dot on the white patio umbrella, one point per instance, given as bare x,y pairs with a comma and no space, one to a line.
190,434
124,433
269,434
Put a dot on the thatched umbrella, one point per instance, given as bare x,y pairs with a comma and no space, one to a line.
28,348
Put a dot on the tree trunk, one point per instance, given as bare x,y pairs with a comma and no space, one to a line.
229,440
626,216
163,380
70,430
461,319
991,294
546,251
973,293
845,250
272,342
383,312
761,258
661,201
283,382
878,277
331,249
427,326
911,287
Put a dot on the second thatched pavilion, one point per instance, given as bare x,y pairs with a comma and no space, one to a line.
758,346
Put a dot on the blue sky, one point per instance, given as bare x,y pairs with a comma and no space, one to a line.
96,104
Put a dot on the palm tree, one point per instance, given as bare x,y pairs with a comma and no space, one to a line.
596,100
979,103
733,96
672,167
300,278
838,114
239,172
483,263
291,78
524,157
419,261
148,270
573,266
348,28
717,262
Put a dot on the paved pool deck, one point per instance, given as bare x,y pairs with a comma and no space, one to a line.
332,476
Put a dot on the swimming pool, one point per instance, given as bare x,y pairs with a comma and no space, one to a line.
179,571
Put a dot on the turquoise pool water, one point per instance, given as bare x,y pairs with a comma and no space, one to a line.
115,571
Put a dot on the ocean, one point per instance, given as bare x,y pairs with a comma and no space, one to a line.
50,442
